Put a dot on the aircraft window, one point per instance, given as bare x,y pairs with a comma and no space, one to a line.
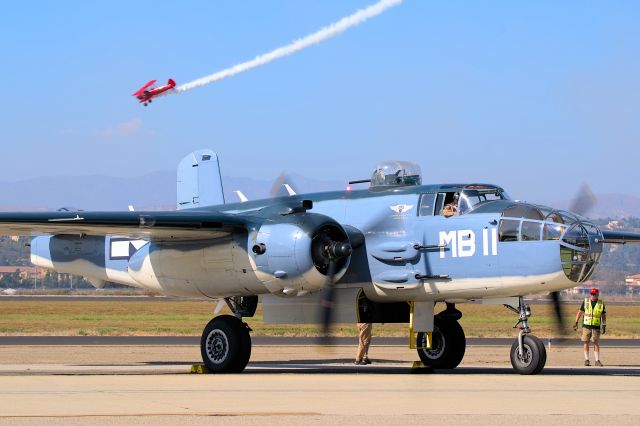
472,197
577,236
573,262
508,230
449,201
526,211
581,254
439,203
554,217
427,204
530,231
552,231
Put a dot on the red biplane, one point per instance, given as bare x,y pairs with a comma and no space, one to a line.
146,93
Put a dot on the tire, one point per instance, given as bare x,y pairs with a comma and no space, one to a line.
534,355
225,345
543,354
448,346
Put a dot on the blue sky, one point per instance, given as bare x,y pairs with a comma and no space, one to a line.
537,96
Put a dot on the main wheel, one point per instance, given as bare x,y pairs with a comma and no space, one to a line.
534,355
225,345
447,347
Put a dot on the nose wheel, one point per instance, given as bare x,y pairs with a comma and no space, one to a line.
528,354
532,358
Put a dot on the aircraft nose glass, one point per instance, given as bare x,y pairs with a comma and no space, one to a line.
580,250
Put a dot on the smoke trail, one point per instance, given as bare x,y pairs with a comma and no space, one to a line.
324,34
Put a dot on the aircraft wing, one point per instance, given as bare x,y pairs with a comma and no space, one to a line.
620,237
156,226
143,88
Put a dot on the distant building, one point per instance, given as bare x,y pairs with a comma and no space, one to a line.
632,282
25,272
614,224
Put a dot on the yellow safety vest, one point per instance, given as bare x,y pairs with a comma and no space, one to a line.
593,316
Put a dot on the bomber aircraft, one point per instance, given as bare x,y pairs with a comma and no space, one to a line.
384,254
146,93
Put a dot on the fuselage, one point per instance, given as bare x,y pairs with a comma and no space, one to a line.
493,248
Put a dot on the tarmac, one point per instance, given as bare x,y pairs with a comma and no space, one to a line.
295,381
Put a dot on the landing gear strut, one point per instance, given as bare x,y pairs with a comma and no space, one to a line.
528,354
225,345
448,341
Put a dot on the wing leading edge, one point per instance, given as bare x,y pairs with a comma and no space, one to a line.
156,226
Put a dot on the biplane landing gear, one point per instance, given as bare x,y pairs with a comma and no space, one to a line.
226,344
448,341
528,354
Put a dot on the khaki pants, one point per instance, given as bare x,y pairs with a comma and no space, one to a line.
364,340
590,334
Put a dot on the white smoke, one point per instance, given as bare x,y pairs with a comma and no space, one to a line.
324,34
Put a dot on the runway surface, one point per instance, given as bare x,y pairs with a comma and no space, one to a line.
292,382
265,340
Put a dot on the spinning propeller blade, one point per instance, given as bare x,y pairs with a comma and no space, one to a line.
584,201
283,186
557,308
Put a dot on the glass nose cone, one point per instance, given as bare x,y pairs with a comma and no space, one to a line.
580,250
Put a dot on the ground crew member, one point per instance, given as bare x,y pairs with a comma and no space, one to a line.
595,318
364,340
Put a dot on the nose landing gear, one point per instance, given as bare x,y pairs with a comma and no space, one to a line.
528,354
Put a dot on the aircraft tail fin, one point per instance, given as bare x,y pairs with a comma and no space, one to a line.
199,180
171,82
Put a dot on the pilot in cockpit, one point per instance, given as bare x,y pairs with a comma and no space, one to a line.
451,209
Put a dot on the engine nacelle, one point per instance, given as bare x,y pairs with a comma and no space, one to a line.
290,256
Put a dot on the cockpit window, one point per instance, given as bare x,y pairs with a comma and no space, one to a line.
476,194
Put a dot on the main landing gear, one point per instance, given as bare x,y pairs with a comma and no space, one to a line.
226,344
528,354
448,341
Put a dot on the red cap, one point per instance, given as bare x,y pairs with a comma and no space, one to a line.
594,291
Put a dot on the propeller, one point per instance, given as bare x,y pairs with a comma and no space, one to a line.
329,255
581,204
584,201
279,189
557,309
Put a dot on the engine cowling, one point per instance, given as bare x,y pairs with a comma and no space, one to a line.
294,255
